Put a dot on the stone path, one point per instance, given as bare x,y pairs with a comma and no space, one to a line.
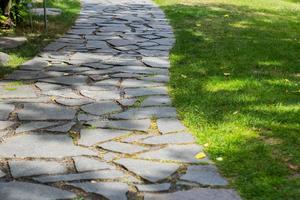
92,118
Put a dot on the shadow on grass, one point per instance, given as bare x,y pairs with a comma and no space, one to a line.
241,66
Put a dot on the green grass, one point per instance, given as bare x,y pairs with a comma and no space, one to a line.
240,61
37,39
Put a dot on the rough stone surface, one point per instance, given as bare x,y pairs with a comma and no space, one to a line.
175,138
2,174
101,108
102,174
5,124
196,194
179,153
149,170
22,91
141,125
32,126
169,125
47,146
4,58
154,187
43,111
122,147
38,167
90,164
157,101
144,113
11,42
25,190
5,110
156,62
110,190
90,137
205,175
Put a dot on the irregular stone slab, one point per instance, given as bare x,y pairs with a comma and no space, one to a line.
120,42
101,108
90,164
196,194
137,92
41,146
65,93
35,167
32,126
101,95
108,82
139,125
135,137
179,153
157,101
204,174
5,124
122,147
35,64
5,110
127,102
147,112
110,190
11,42
87,117
3,133
31,75
24,190
131,83
82,58
72,102
156,78
156,62
149,170
109,156
169,125
176,138
76,80
48,86
2,174
18,91
102,174
63,128
154,187
4,58
90,137
44,111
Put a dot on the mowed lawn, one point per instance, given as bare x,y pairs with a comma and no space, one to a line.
235,80
37,38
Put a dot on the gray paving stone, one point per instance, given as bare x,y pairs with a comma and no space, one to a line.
110,190
154,187
120,42
108,82
140,125
65,93
23,168
3,133
101,108
90,164
169,125
156,62
122,147
178,153
32,126
24,191
17,91
132,83
90,137
72,102
35,64
11,42
137,92
127,102
102,174
109,156
157,101
5,110
48,86
147,112
204,174
63,128
196,194
136,137
4,58
175,138
149,170
75,80
5,124
31,75
101,95
43,111
156,78
41,146
87,117
2,174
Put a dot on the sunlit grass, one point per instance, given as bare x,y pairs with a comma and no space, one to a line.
240,61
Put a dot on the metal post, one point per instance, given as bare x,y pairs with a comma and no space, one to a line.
45,16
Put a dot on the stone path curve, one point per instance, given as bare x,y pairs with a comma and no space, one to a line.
92,116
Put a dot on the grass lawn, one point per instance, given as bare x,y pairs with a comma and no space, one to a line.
37,39
235,81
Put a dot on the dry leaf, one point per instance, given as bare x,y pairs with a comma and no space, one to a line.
219,159
200,155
